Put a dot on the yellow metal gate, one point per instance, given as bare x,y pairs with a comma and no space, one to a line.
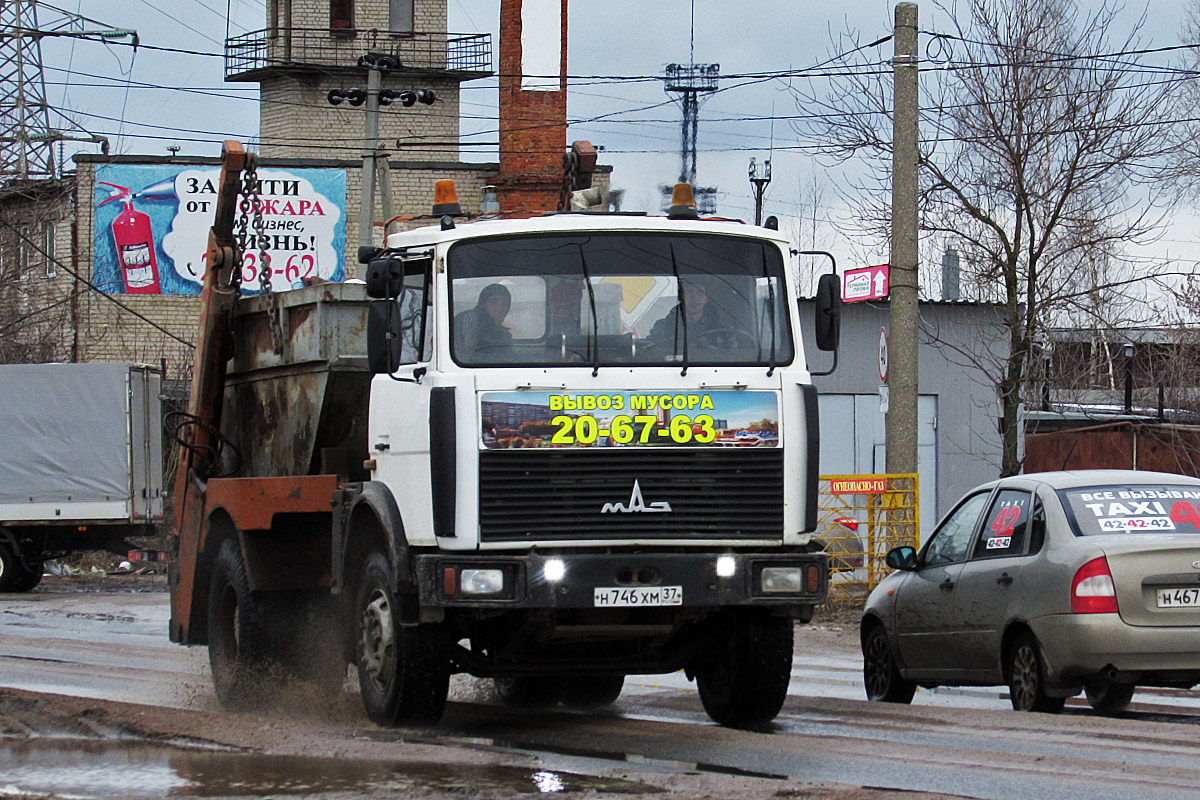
861,517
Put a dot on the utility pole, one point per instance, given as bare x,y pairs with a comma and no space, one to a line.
901,422
375,63
760,176
366,208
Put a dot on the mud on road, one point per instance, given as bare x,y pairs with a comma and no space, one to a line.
53,745
57,746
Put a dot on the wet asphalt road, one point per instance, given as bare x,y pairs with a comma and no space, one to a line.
962,742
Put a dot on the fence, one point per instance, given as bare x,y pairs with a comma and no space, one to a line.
860,518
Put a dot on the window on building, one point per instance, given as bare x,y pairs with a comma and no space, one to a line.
341,14
48,250
24,246
400,16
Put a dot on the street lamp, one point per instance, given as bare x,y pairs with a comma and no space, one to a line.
1129,377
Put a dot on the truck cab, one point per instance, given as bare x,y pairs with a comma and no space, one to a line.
600,436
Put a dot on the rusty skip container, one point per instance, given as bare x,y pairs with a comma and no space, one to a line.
302,411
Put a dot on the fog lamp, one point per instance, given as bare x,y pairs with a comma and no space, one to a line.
781,579
554,570
726,566
482,581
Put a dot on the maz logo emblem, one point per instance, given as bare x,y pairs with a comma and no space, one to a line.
1196,564
637,504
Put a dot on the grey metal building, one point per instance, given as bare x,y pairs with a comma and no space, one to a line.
958,441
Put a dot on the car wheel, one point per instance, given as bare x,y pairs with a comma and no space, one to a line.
1107,697
592,691
403,671
530,691
743,680
881,676
1027,678
237,640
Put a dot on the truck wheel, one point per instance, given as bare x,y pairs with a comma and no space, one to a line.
27,579
403,671
593,692
236,633
1027,678
14,577
530,691
744,680
881,676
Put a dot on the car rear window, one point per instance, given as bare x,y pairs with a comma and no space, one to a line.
1146,508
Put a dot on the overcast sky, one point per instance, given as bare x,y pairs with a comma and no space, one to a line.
135,101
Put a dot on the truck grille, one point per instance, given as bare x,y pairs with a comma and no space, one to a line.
560,494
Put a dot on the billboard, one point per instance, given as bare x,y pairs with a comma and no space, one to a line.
152,220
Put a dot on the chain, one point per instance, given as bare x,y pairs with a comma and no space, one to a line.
252,206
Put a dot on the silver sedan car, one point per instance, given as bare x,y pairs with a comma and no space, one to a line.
1049,583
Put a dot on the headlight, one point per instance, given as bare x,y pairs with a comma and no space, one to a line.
726,566
782,580
482,581
554,570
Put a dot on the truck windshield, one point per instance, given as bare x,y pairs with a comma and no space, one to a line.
602,299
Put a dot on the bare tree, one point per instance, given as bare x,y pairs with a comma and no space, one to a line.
1035,136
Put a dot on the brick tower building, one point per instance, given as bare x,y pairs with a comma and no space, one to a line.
310,47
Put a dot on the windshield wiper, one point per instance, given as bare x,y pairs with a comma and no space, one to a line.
681,317
587,281
770,310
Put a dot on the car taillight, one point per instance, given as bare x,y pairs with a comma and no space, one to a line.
1092,590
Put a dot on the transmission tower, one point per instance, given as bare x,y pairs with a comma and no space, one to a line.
692,82
27,137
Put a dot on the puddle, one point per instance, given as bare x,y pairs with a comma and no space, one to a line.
102,770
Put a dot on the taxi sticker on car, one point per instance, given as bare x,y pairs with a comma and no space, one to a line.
1140,509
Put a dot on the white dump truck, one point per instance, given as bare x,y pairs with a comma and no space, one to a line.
553,452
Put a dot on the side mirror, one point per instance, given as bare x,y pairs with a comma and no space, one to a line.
828,312
384,345
902,558
384,278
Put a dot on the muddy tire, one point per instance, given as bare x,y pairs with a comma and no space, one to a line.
27,580
744,679
530,691
1106,697
1027,678
14,577
403,671
592,692
881,675
237,634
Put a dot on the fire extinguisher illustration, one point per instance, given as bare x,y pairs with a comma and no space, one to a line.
134,241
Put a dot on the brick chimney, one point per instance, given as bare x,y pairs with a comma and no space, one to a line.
533,104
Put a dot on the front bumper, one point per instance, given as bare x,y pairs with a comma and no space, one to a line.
1079,645
525,585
